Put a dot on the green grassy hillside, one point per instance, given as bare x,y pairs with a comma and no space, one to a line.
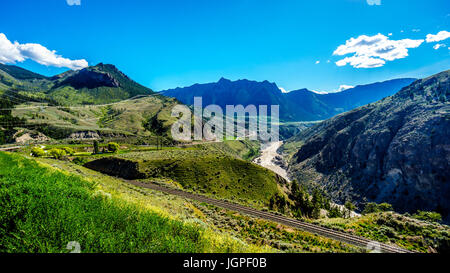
243,149
222,229
42,209
204,168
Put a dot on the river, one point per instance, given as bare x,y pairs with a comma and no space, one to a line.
268,154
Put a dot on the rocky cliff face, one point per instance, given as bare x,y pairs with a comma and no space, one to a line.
87,78
396,150
102,78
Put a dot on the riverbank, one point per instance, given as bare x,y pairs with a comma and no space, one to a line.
268,156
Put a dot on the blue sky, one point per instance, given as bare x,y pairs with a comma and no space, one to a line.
165,44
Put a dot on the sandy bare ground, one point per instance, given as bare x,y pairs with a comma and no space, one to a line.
268,153
266,160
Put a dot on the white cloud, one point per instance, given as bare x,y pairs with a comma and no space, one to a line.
373,51
374,2
390,34
73,2
343,87
437,46
440,36
361,62
9,53
317,62
16,52
416,30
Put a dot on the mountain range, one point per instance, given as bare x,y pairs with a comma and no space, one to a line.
102,83
297,105
396,150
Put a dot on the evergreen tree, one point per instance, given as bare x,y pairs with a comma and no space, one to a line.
294,188
96,149
350,207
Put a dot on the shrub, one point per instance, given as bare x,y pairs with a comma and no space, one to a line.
57,153
372,207
349,205
335,212
113,147
387,231
385,207
80,160
2,137
37,152
429,216
68,150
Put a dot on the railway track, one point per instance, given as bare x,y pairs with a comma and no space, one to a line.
308,227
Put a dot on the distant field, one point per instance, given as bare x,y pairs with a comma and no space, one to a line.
144,116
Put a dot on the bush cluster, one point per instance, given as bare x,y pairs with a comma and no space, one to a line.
372,207
113,147
37,152
57,153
